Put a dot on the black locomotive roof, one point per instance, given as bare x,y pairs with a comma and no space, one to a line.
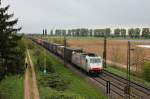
89,54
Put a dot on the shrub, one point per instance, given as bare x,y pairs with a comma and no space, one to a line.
30,45
11,87
49,65
146,71
40,58
54,81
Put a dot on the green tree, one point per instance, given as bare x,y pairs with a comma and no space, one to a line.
83,32
99,32
117,32
123,32
8,39
51,32
146,32
63,32
69,33
137,33
77,32
45,31
134,33
108,30
96,32
58,32
90,32
131,32
16,65
74,32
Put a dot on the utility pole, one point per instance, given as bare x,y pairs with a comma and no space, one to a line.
64,49
45,63
128,87
105,51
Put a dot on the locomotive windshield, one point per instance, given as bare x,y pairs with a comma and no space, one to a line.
95,60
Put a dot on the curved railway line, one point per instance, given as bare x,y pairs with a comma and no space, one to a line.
117,86
114,85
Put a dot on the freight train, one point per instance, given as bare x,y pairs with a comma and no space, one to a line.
88,62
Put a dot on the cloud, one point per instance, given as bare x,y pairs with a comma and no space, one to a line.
35,15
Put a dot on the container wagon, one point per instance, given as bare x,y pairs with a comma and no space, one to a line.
69,51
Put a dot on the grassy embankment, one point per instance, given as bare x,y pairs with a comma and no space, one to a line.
11,87
122,72
60,82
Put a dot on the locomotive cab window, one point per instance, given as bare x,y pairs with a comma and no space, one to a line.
95,61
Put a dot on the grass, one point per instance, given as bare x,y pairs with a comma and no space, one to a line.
122,72
79,88
11,87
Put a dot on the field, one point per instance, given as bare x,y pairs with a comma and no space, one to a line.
116,49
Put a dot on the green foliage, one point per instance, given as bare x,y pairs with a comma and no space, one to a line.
17,64
54,81
41,58
146,71
146,32
123,32
59,32
49,65
11,88
48,93
134,33
43,61
11,44
64,96
101,32
29,44
117,32
108,31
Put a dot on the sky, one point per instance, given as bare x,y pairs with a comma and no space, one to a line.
36,15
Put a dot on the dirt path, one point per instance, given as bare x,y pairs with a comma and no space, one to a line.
30,84
26,84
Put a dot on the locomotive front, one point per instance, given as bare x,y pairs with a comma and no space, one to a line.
94,64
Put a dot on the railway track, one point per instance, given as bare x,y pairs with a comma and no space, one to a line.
117,86
113,84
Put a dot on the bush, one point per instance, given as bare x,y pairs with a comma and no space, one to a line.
30,45
146,71
40,61
49,65
65,96
15,65
11,87
54,81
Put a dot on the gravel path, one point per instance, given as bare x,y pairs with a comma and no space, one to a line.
30,84
26,84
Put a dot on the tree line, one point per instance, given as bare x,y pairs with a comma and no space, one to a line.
12,45
118,32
